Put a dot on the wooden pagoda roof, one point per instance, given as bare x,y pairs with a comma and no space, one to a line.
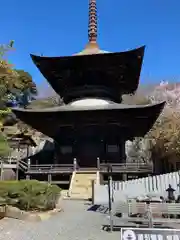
118,71
137,119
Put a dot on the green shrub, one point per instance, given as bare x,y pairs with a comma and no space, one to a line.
29,194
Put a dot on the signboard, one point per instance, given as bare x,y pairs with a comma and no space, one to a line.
149,234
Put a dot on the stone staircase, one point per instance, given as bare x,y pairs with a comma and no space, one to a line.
81,185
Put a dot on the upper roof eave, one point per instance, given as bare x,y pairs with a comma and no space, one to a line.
119,71
81,55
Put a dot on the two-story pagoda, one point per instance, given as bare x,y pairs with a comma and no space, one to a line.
92,123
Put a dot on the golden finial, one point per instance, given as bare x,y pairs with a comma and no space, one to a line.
92,25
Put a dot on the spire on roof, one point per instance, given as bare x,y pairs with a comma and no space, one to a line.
92,25
92,46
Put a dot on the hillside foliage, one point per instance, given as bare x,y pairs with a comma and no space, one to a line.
16,86
16,89
4,146
136,99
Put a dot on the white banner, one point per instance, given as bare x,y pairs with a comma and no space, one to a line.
149,234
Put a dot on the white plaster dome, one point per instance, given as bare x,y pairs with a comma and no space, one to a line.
89,102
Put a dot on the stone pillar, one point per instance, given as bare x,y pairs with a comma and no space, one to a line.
75,164
93,183
29,163
101,178
124,176
27,177
28,168
49,178
98,163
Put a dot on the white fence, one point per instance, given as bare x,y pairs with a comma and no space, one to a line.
155,185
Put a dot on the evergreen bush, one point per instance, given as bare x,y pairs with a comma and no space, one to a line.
29,195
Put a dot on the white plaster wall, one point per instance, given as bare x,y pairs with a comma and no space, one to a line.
88,102
154,186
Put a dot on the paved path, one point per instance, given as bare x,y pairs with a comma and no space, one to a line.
74,223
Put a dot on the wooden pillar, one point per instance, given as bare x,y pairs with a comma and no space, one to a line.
105,160
57,152
123,151
27,151
17,170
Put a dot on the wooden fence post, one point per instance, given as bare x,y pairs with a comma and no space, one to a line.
2,170
17,170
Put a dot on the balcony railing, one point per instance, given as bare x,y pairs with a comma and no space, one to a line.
101,167
126,167
69,168
50,168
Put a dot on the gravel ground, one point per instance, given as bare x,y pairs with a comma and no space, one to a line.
74,223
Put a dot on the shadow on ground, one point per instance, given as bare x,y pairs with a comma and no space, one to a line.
98,208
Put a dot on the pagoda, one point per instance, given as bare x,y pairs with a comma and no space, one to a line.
93,123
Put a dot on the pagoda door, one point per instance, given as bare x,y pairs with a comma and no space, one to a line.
87,154
88,149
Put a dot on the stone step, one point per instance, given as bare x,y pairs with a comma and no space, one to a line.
82,185
79,184
79,190
86,176
82,181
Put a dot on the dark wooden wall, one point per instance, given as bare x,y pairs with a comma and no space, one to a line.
86,143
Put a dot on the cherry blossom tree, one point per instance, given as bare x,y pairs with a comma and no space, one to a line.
163,140
165,134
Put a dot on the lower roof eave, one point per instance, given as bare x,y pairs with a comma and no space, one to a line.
138,118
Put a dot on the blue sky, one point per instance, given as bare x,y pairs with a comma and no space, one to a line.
58,28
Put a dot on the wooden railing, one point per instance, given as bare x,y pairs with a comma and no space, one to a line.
50,168
10,160
126,167
102,167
